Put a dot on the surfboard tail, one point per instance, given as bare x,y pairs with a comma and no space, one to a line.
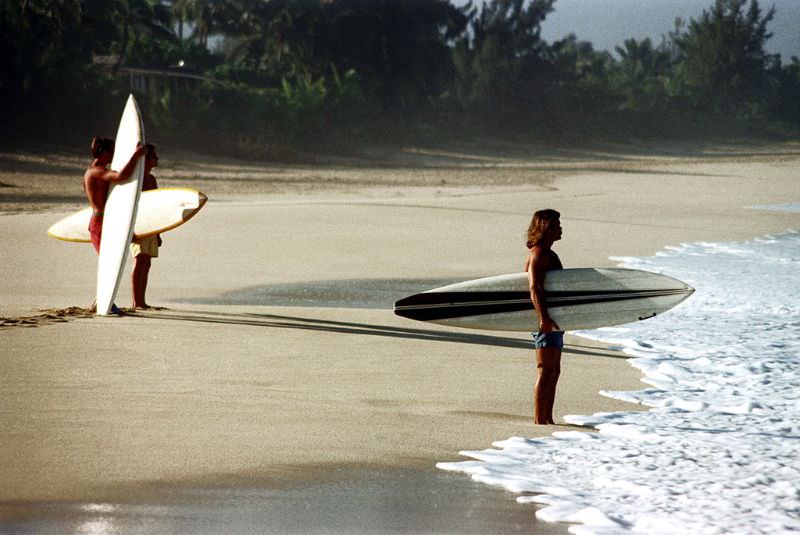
437,306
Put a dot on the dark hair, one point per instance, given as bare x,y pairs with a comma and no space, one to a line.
149,150
101,145
540,224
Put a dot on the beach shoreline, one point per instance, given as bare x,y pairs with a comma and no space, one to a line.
241,377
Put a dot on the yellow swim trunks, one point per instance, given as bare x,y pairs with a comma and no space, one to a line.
148,246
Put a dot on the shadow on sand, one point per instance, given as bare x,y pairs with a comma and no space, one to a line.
277,321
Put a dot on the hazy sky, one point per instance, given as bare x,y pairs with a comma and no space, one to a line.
607,23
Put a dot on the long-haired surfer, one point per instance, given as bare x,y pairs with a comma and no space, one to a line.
544,230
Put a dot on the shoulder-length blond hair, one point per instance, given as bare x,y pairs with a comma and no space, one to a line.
540,224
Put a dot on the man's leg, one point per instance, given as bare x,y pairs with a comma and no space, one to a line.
141,271
548,362
95,232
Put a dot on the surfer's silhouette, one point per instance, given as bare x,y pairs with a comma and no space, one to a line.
144,249
96,182
544,230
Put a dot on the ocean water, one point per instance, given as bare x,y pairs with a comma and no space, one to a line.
718,451
786,207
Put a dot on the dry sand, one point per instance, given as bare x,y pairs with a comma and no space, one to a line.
278,373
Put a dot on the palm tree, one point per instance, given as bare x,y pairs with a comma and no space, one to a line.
507,53
279,35
724,60
182,13
644,72
135,17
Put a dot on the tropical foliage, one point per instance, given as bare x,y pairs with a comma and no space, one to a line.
270,74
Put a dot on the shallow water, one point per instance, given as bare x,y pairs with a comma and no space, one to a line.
717,452
339,500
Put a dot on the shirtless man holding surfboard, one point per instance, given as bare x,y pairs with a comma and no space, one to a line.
98,178
544,230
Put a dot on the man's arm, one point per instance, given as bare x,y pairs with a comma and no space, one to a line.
126,171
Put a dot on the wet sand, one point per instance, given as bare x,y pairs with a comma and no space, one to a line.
278,381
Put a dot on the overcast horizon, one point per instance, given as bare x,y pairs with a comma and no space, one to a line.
608,23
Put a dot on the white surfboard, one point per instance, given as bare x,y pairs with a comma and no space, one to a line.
120,210
584,298
160,210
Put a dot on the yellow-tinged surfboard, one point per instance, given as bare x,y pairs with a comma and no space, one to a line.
160,210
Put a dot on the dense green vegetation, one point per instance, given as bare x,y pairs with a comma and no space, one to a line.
279,74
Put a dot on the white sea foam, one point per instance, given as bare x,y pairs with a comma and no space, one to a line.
718,450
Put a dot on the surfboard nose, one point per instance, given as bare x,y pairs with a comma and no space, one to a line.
680,285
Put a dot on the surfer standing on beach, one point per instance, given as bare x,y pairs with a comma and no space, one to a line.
97,179
96,182
144,249
543,232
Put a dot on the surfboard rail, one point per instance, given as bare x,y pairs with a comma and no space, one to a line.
121,205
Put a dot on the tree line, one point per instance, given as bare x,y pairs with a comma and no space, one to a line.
288,73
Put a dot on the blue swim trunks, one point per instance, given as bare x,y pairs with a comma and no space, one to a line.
553,339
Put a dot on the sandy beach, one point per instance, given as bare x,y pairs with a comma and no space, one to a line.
277,392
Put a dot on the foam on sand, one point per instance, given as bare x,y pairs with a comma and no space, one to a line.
717,452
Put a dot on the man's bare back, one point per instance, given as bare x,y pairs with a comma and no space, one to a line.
98,177
96,186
